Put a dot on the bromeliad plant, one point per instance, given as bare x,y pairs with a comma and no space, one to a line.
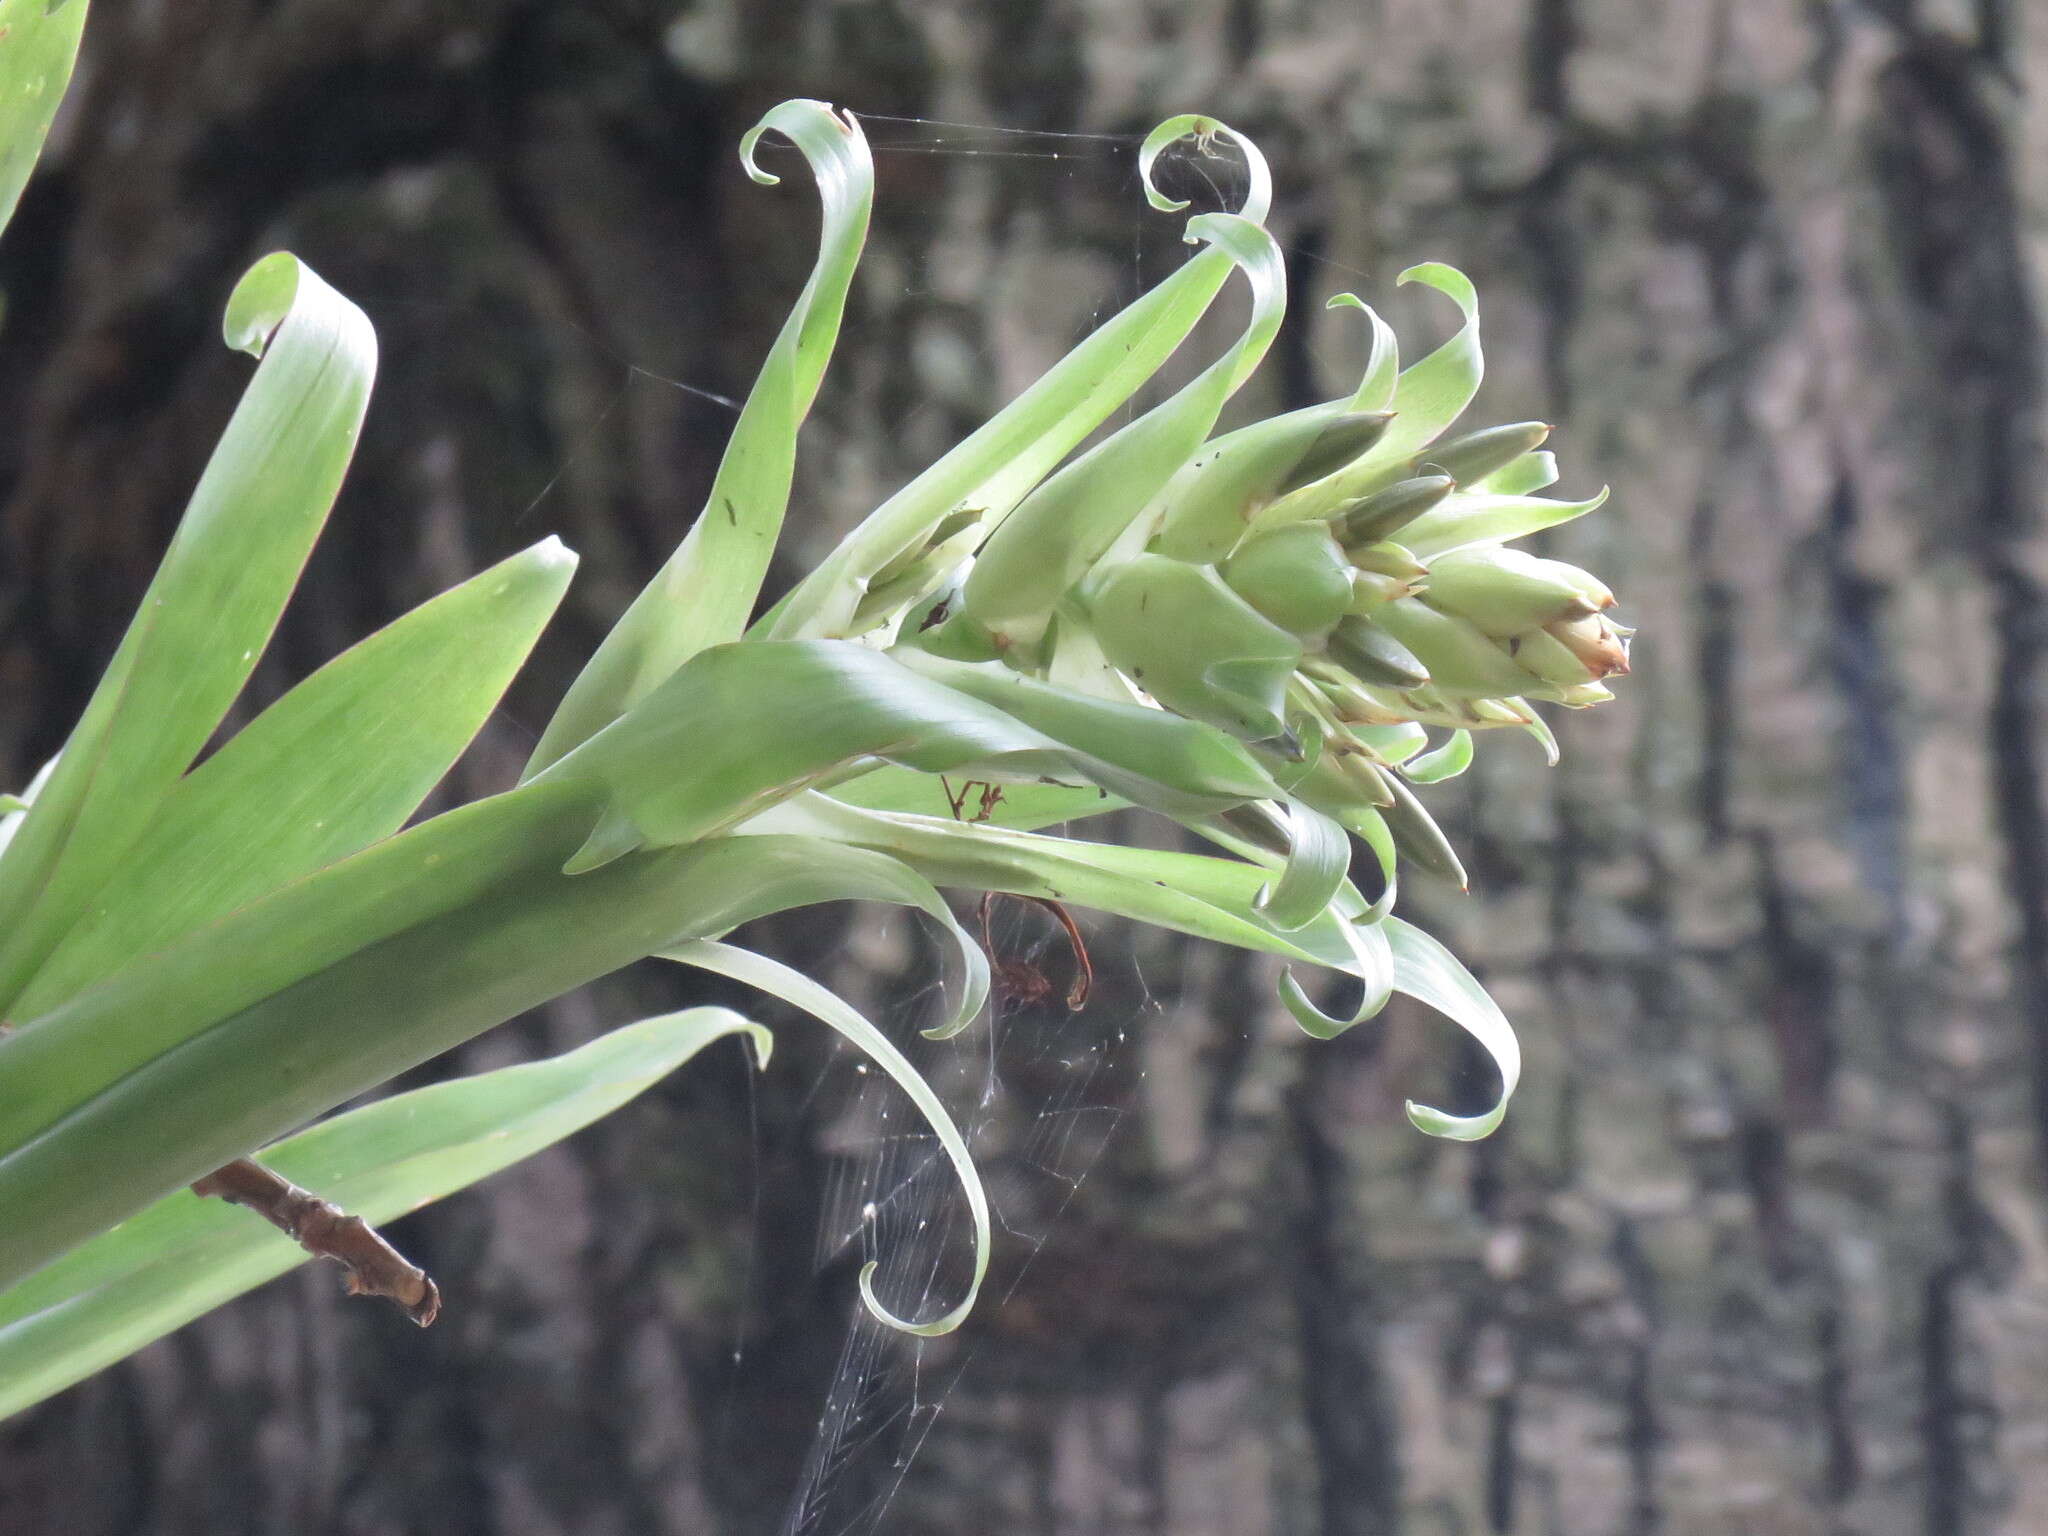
1248,633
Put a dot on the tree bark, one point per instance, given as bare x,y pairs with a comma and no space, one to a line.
1762,1246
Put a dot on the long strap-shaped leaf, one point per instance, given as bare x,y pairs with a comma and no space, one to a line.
333,985
1209,898
706,592
828,1007
992,469
780,873
1425,970
1067,524
1148,742
209,612
38,45
1429,395
338,763
1487,519
1026,807
760,721
185,1256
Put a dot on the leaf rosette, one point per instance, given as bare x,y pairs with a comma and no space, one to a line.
1250,632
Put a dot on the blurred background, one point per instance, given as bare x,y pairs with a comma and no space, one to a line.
1762,1246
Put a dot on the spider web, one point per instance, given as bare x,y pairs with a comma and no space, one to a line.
1039,1092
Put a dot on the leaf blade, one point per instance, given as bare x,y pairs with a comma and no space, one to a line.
828,1007
252,519
184,1256
705,593
336,764
1430,973
38,47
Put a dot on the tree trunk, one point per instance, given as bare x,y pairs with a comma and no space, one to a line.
1762,1246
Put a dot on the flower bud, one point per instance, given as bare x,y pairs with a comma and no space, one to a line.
1387,558
1544,655
1416,834
1372,655
1184,637
1463,661
1369,589
1503,591
1472,456
1385,513
1295,575
1362,704
1501,712
1583,696
1208,504
1602,646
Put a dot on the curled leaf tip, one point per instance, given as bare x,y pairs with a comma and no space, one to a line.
806,124
930,1330
1434,1122
1205,131
261,301
1447,280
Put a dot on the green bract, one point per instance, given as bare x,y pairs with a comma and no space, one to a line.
197,960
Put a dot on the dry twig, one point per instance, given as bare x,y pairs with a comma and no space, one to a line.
324,1230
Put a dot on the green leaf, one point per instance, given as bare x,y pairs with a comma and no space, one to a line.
706,592
1209,898
1025,807
1375,390
1370,828
1524,477
1372,964
209,612
1445,762
1318,858
1540,729
38,46
1428,397
1465,520
1179,632
184,1256
1425,970
992,470
1067,524
56,1062
1165,748
763,875
332,985
338,763
797,989
1434,392
760,721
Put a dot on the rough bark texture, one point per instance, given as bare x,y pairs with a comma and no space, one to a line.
1762,1248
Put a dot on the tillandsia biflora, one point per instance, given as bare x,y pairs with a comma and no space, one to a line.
1250,633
